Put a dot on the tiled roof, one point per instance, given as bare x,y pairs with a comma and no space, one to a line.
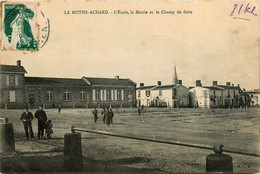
213,87
146,87
164,87
54,81
12,68
110,81
230,87
253,91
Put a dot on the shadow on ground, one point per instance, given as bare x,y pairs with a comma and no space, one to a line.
53,162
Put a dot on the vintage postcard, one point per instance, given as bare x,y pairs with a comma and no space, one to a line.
130,87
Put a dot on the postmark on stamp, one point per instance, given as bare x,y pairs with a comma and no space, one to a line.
19,27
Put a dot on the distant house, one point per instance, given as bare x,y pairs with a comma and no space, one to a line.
231,94
254,96
18,91
172,96
12,91
163,95
113,92
143,95
206,96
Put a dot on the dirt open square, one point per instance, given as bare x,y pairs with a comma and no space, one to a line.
236,129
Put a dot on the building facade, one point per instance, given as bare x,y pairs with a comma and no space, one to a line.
254,97
231,95
114,92
52,92
163,95
216,95
18,91
143,94
12,86
206,97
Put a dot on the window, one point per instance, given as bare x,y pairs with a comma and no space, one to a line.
11,80
205,94
139,93
66,95
82,95
97,94
108,94
119,95
129,96
12,96
228,94
49,95
160,93
147,93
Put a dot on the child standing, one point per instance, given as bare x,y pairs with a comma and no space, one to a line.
49,130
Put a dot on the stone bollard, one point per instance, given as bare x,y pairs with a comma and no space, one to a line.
6,136
72,152
219,162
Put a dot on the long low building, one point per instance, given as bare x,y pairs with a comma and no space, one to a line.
17,91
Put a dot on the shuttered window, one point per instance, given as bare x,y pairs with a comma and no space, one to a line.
11,80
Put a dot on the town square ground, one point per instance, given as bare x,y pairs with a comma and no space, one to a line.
236,129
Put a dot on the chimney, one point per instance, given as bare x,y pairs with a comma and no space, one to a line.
159,83
18,63
180,82
232,84
117,77
215,83
238,85
227,83
198,83
244,89
141,85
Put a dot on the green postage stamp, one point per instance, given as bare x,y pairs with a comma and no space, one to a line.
19,26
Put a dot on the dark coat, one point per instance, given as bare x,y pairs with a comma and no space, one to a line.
41,115
26,117
107,117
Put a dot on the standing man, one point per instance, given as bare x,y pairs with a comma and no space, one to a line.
107,117
59,108
95,113
139,111
111,115
42,118
27,118
104,115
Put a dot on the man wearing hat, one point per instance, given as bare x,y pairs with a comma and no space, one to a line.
42,118
27,118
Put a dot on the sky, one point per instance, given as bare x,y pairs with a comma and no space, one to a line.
207,45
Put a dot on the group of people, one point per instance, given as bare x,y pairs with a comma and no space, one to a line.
43,123
107,113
